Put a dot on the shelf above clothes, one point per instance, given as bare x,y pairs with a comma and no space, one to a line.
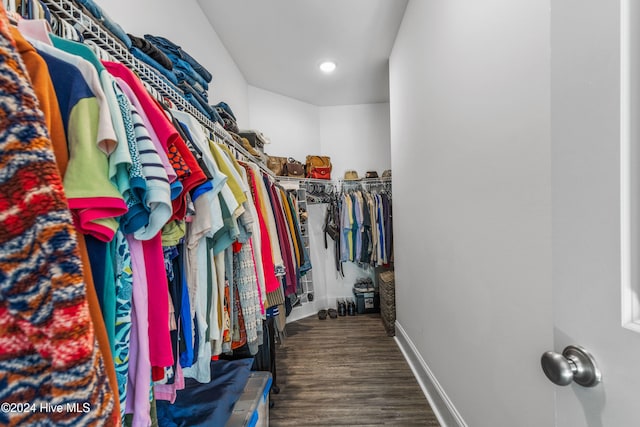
367,184
364,181
322,190
69,12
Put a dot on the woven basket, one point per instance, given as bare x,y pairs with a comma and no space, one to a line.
387,284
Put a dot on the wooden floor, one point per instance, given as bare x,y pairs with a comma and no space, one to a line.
345,372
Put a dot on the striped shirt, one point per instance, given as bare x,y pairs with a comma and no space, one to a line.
158,195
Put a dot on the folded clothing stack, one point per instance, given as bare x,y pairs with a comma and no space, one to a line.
193,68
177,67
228,118
106,21
150,50
169,59
364,284
190,76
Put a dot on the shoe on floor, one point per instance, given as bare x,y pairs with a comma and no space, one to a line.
322,314
342,307
351,308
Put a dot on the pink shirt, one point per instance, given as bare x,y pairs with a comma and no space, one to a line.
139,383
170,391
160,351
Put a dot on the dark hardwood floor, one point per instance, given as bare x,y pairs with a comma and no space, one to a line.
345,372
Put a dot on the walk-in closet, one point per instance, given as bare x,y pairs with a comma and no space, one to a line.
194,248
239,213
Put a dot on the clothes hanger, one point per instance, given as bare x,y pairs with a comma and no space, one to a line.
59,31
165,102
150,89
55,24
69,32
38,11
65,30
100,53
75,34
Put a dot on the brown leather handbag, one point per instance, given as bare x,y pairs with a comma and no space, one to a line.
294,168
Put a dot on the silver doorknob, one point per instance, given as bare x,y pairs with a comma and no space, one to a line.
574,364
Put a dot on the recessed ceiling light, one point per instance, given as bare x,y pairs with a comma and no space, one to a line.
328,66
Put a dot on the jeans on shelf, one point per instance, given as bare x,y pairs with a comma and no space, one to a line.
182,65
184,78
206,75
169,75
196,100
149,48
226,108
106,20
203,91
167,46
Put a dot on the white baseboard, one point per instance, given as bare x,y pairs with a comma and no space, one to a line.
442,406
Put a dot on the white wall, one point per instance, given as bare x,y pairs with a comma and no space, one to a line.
356,137
292,126
184,23
470,149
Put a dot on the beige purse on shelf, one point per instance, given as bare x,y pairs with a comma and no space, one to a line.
276,164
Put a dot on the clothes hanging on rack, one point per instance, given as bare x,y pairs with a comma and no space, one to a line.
48,348
186,242
95,34
47,97
94,201
365,223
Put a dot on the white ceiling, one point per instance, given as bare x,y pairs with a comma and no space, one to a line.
278,45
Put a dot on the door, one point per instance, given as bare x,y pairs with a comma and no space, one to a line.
588,203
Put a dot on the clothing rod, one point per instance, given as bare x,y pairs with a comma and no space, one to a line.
366,180
302,179
335,183
67,11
